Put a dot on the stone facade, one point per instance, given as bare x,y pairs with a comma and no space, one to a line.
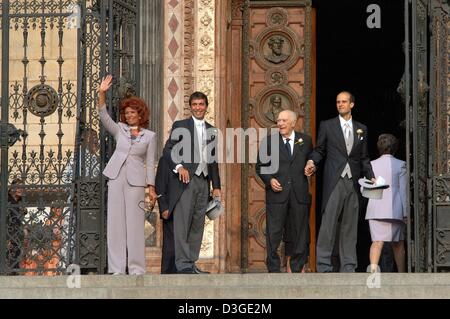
189,60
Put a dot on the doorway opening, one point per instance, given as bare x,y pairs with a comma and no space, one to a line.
369,63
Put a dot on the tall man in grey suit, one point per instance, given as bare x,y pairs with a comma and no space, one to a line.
287,195
343,142
192,155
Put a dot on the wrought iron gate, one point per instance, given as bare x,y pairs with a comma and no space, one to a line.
440,135
425,91
54,53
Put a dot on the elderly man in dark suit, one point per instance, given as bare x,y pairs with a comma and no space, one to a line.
343,142
192,156
287,196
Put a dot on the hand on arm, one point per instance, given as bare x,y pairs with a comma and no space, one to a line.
310,168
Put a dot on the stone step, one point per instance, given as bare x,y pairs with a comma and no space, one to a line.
233,286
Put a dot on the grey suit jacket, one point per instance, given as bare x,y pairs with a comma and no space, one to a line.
393,203
176,187
138,158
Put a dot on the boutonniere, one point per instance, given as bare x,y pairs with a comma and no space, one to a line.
360,133
299,142
214,134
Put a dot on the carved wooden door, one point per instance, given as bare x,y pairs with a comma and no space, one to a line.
279,76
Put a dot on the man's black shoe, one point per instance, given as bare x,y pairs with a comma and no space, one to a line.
187,271
199,271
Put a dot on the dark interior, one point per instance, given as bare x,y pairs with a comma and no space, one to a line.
369,63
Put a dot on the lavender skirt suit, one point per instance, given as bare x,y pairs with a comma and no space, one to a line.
386,215
129,170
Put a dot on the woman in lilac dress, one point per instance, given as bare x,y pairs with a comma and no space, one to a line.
387,215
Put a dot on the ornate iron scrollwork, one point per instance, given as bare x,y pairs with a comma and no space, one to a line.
126,89
401,88
42,100
422,88
42,236
14,134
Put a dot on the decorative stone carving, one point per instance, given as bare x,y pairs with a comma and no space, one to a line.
273,100
205,52
277,77
237,8
277,17
251,107
206,20
174,76
275,53
441,193
275,107
251,49
204,82
126,89
207,248
188,54
257,227
278,48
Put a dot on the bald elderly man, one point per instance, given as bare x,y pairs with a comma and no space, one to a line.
287,193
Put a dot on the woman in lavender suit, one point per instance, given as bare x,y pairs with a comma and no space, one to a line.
130,169
387,216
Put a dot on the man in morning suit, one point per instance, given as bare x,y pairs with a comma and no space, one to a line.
287,196
191,154
162,182
342,141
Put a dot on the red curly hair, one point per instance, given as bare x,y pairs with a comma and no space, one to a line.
138,105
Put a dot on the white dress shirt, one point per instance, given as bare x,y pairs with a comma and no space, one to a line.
343,122
291,141
201,130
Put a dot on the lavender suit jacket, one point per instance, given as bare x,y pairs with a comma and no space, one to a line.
139,158
393,203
